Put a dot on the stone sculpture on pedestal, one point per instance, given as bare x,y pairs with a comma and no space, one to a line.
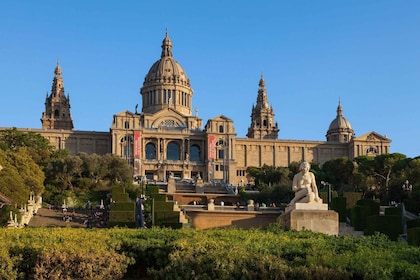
306,210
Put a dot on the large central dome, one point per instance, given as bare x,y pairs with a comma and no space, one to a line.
166,84
166,69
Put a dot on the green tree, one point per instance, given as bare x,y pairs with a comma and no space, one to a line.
38,146
383,173
115,169
30,172
90,166
339,172
20,175
267,177
62,171
13,186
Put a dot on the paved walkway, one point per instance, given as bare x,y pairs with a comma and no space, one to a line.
54,218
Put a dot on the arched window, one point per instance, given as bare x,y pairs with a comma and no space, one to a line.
150,151
265,123
56,113
371,150
220,146
172,151
221,130
195,153
127,146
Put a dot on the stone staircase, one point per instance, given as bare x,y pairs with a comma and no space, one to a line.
345,229
184,187
182,217
208,188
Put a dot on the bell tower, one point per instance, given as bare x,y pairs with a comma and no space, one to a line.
57,105
262,117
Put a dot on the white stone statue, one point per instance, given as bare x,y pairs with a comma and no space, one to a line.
304,186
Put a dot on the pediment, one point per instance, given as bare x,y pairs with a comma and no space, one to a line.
125,113
169,118
372,136
221,118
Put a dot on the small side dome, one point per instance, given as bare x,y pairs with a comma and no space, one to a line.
340,129
340,123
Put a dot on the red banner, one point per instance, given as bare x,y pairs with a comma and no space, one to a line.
137,146
211,148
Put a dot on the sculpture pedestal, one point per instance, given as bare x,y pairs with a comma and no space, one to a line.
199,186
171,185
310,216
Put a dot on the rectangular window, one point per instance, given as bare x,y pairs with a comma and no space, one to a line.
221,154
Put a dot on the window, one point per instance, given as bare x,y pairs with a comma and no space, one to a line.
220,147
56,113
127,145
172,152
195,153
221,130
127,125
220,154
240,172
150,151
371,150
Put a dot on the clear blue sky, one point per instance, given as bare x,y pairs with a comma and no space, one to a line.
311,53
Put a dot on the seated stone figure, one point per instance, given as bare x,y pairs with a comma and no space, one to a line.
304,186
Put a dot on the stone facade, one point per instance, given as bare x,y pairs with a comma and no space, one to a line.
165,137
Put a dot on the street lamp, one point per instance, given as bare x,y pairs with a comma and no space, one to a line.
406,187
143,182
323,183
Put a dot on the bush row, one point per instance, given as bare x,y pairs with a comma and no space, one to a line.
162,253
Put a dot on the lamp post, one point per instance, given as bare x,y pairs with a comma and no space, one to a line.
406,188
143,182
323,183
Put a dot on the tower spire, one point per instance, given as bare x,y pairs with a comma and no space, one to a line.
262,116
57,105
262,100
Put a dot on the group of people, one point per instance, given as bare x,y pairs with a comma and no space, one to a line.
67,217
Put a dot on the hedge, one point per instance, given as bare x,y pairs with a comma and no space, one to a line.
159,253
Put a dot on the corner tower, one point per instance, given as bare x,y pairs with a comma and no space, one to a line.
340,129
262,117
57,105
166,85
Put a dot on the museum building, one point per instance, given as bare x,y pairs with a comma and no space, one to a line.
167,137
